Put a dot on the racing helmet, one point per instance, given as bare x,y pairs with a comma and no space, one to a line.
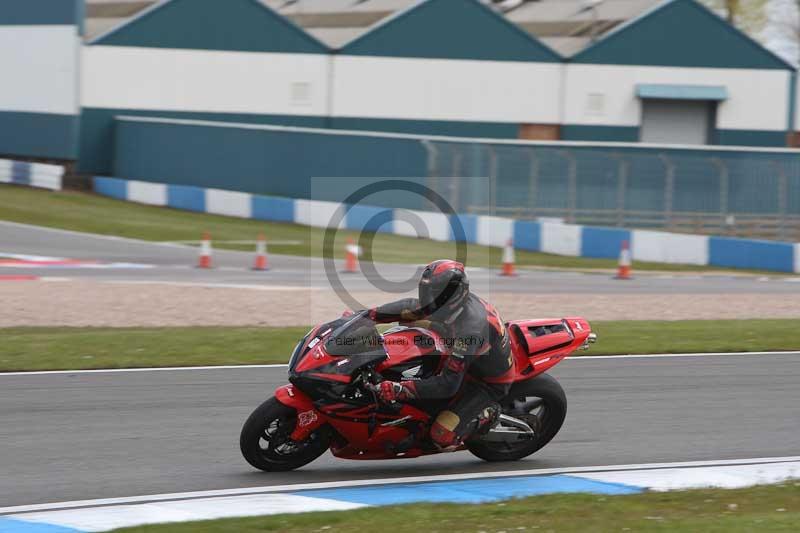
443,285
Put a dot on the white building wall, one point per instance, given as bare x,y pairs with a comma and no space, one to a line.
39,69
202,80
399,88
606,94
445,89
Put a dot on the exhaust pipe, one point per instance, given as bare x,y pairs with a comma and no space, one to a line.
516,423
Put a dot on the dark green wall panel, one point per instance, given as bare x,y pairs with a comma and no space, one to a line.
600,133
38,135
430,30
234,25
97,130
259,161
751,138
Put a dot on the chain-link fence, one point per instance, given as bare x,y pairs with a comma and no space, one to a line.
723,192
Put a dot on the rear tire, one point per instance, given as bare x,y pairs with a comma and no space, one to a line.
550,418
265,442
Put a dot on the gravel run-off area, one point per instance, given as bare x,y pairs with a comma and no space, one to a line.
89,303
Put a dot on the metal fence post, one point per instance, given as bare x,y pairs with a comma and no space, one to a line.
572,184
433,164
622,186
455,180
724,191
783,199
492,179
533,181
669,188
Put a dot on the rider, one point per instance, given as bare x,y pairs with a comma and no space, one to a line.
479,369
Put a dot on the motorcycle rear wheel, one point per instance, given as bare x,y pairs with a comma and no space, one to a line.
549,418
265,442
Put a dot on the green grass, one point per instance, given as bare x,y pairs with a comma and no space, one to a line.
23,349
764,508
696,336
96,214
87,348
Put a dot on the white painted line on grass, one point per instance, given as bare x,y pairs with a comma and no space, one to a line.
209,285
387,481
88,235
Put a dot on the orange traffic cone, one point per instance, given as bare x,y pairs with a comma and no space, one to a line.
624,268
508,259
205,252
261,254
351,257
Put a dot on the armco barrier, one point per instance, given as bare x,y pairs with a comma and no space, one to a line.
547,237
764,255
38,175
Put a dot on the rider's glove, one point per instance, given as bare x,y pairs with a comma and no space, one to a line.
390,391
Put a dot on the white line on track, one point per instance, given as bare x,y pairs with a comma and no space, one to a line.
88,235
386,481
283,365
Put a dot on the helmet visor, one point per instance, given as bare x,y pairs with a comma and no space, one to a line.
433,296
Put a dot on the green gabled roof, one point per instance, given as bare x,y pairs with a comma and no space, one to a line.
680,33
450,29
233,25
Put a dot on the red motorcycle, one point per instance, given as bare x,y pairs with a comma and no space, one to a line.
331,402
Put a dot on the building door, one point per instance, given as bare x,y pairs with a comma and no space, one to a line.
677,121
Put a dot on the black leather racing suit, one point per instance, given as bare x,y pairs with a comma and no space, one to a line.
478,372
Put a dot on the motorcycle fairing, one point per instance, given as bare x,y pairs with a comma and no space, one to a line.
538,345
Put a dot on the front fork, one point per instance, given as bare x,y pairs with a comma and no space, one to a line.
308,418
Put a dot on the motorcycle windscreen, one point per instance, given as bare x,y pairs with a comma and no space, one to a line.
356,337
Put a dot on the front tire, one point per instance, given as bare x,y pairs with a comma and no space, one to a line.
265,442
546,419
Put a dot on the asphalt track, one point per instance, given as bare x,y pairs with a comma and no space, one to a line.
173,263
74,436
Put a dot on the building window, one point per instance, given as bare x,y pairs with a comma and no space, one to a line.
300,94
595,104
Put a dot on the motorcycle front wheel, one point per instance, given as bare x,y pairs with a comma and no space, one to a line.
266,444
542,404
